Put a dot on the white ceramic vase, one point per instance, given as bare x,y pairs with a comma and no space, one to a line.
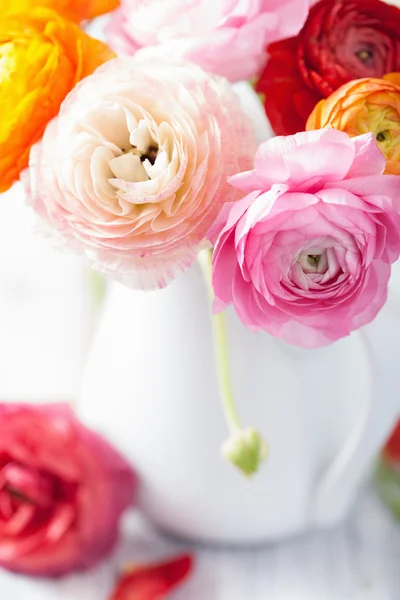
151,387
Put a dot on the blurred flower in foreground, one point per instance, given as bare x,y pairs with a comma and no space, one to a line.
392,448
227,37
153,582
75,10
42,57
306,254
365,105
388,473
62,491
133,171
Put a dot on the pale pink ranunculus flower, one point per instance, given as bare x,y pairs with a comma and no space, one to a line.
306,254
227,37
133,171
63,490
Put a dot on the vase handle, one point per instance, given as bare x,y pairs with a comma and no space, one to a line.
336,489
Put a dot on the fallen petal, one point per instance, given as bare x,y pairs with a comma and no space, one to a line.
153,582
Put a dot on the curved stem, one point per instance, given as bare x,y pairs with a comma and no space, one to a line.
245,448
221,350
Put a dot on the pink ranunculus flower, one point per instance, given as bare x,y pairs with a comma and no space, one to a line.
227,37
133,171
306,254
62,491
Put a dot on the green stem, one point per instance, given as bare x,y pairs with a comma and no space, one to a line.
221,350
222,354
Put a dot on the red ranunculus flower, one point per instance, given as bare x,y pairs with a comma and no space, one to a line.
341,40
62,491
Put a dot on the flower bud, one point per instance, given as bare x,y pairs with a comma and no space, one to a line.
246,449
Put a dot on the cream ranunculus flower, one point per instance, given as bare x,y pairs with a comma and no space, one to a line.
134,170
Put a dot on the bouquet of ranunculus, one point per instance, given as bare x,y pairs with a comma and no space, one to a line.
146,162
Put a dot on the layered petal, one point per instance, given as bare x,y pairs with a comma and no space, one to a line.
304,159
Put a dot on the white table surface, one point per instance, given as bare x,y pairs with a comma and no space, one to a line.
359,560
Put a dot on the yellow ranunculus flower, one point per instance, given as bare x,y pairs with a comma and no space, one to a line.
42,57
365,105
76,10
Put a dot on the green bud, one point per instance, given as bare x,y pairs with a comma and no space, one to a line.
246,450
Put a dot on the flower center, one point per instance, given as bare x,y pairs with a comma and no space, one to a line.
313,260
150,154
18,496
381,136
135,163
26,486
384,122
365,55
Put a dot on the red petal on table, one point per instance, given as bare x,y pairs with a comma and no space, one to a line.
153,582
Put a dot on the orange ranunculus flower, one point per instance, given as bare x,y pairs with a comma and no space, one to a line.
76,10
42,57
365,105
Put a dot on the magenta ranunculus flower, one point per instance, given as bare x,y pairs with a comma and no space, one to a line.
227,37
133,171
306,254
62,491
